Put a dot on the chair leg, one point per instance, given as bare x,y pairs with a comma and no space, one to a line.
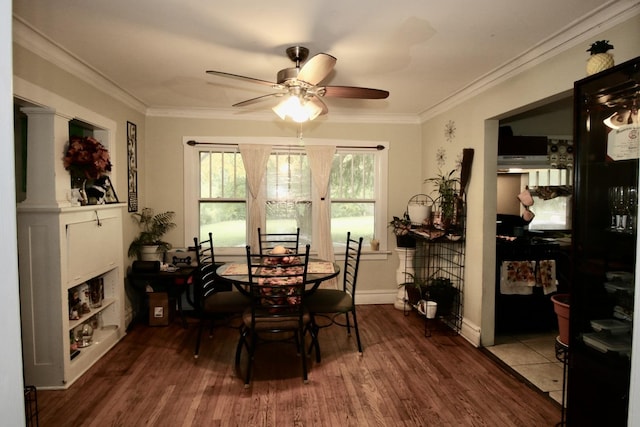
182,315
196,353
299,343
346,315
242,341
313,332
300,339
355,326
251,351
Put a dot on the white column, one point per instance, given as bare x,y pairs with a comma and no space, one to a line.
404,274
405,270
47,180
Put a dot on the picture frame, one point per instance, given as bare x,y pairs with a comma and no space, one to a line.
132,167
110,195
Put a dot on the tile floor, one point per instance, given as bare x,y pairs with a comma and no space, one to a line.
534,357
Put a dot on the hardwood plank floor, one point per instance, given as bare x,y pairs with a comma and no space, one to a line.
403,379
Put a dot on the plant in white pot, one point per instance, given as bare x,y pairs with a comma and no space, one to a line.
149,246
448,198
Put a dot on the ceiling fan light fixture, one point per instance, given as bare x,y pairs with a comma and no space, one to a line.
297,108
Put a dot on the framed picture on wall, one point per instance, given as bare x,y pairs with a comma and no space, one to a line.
110,192
132,164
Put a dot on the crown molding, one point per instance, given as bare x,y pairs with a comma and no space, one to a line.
34,41
607,16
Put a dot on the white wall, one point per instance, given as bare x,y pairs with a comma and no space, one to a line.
11,383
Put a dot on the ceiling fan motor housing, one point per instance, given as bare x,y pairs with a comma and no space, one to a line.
298,54
287,74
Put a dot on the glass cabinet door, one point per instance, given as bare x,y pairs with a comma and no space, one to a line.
605,221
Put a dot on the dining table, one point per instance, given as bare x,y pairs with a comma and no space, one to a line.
318,271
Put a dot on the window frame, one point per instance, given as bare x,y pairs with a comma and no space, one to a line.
191,173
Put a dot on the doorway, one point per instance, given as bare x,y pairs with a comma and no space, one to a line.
525,325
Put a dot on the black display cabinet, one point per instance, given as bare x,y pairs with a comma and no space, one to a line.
606,136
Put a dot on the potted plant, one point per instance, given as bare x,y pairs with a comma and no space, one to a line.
447,199
401,228
442,291
149,241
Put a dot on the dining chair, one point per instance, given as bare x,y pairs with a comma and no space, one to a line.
276,312
331,303
212,299
268,241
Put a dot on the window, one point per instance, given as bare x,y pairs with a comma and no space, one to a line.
217,199
222,206
353,195
288,194
552,214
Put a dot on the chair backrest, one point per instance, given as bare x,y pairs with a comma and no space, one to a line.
204,279
268,241
277,284
351,265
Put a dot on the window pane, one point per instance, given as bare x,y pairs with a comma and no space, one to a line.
552,214
222,175
352,189
288,182
352,176
227,222
285,217
358,218
288,177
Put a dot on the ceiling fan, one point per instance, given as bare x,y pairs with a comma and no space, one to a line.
301,86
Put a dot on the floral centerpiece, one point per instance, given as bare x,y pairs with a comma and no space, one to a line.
87,157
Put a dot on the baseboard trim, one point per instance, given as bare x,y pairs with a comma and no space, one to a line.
471,332
376,297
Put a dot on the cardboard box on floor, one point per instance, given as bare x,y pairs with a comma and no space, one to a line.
160,312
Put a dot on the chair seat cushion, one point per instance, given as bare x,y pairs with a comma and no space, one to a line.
329,301
276,322
226,302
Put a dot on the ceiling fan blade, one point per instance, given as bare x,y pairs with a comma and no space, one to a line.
257,99
317,68
355,92
244,78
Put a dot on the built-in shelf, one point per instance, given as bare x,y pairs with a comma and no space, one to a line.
61,247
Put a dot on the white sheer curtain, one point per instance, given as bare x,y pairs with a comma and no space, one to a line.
320,162
255,158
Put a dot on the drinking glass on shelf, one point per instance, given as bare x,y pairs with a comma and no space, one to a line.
612,207
621,207
618,208
632,209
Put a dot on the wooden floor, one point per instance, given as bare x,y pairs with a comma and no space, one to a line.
403,379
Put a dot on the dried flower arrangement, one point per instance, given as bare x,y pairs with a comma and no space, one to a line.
87,156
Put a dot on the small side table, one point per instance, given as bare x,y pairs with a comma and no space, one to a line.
175,283
562,354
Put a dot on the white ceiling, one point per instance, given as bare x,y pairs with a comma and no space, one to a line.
421,51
